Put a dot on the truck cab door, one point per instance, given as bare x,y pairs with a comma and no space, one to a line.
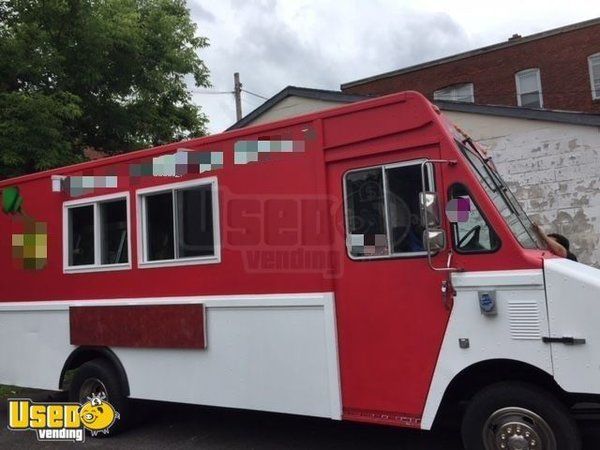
391,315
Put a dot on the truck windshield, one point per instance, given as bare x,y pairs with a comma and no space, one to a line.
514,215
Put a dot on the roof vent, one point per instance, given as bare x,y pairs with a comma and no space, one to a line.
514,37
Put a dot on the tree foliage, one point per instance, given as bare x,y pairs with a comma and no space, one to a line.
107,74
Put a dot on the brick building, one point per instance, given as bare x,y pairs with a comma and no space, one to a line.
557,69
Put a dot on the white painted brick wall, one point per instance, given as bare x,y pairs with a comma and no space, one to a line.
554,170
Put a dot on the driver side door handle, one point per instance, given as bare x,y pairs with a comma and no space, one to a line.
568,340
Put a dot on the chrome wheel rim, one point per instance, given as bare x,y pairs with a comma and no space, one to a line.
517,429
92,386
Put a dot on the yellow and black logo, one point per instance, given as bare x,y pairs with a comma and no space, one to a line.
62,421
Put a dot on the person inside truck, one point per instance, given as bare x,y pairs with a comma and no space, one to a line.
404,185
564,242
557,243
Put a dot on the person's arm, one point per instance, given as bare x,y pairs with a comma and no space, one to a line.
554,246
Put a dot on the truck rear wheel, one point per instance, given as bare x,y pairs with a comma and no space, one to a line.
518,416
98,377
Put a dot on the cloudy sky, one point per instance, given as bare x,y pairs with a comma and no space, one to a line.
323,43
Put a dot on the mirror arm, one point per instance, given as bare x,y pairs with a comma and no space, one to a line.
423,189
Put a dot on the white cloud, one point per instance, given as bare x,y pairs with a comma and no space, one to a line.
325,43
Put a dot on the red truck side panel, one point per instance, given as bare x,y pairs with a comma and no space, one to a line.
282,230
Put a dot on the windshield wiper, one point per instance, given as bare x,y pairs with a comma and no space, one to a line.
499,185
507,195
476,155
491,168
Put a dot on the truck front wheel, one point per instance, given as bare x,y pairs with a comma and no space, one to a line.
98,378
518,416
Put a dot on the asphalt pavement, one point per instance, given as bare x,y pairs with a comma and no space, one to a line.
164,425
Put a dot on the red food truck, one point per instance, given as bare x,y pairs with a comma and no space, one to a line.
365,263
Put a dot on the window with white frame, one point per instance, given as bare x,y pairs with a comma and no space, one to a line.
529,88
382,210
456,93
594,63
97,233
179,223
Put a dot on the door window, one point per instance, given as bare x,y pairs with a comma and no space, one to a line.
471,232
366,221
382,210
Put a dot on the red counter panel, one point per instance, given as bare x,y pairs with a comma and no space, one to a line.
140,326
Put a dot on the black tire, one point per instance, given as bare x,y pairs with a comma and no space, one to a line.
519,399
102,370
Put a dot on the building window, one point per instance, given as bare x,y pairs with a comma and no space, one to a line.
97,234
594,63
456,93
382,211
529,88
179,224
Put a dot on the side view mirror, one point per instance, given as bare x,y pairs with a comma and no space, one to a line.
430,209
434,240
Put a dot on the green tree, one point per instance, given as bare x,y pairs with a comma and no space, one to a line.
107,74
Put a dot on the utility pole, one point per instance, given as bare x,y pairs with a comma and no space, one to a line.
237,92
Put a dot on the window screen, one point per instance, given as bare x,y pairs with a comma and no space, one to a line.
113,225
81,235
159,223
179,224
98,234
195,222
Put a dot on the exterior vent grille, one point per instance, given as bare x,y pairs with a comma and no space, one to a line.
524,319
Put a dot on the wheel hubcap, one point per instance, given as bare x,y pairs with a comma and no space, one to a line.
92,386
517,429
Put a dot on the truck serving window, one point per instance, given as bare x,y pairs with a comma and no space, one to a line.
471,233
382,211
81,235
179,223
501,195
97,234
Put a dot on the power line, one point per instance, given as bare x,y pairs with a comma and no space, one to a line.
247,103
256,95
572,91
237,91
228,92
251,101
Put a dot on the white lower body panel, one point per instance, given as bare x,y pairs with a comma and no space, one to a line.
574,306
514,333
266,352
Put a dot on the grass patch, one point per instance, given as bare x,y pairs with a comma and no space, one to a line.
9,391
